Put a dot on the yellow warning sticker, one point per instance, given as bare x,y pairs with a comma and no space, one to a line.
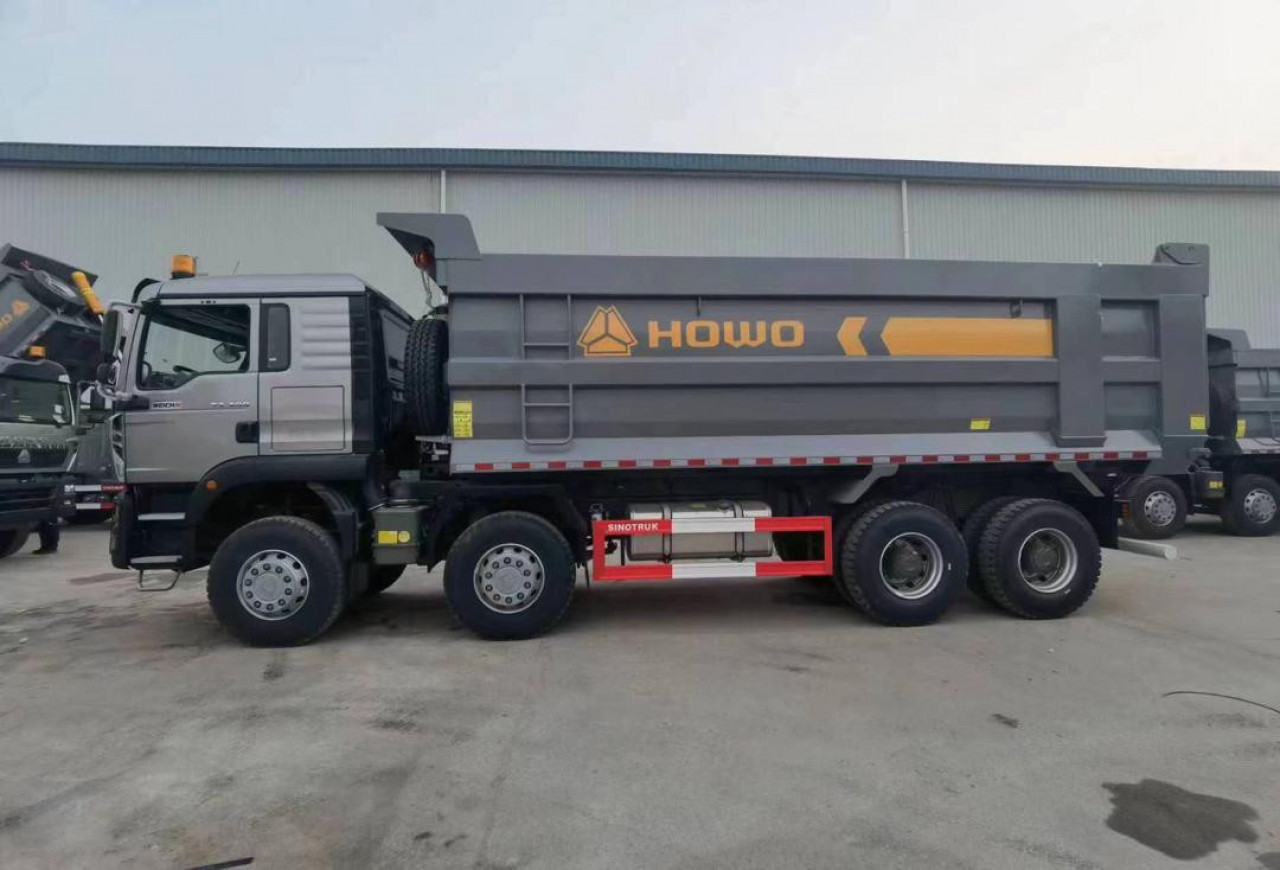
386,537
462,419
1241,428
1198,423
979,424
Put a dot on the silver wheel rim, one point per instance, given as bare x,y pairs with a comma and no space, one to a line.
1048,560
273,585
1259,506
509,578
911,566
1160,508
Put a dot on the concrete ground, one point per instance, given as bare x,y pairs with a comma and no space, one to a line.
736,724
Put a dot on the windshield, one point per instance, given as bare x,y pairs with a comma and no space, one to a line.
27,401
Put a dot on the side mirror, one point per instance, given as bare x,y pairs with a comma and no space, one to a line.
104,374
110,333
228,353
92,406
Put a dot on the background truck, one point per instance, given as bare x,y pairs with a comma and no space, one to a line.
37,439
1243,451
50,306
901,427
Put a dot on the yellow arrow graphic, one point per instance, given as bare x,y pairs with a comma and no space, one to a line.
850,336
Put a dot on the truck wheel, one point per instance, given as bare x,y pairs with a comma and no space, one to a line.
1039,559
1250,508
1157,508
902,563
974,525
381,578
509,576
277,581
425,388
13,540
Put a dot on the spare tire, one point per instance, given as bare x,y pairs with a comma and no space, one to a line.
53,292
426,392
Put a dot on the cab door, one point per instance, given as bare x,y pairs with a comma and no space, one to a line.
195,376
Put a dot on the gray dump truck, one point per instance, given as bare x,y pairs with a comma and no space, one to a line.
903,428
1243,448
49,307
37,443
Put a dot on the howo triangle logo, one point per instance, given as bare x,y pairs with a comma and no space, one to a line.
606,334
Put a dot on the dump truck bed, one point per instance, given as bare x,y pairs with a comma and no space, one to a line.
568,362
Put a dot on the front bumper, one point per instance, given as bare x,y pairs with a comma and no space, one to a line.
25,503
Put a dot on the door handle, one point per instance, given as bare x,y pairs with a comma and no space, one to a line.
247,433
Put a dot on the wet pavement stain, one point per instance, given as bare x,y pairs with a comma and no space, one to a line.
1007,721
1175,822
1270,860
275,668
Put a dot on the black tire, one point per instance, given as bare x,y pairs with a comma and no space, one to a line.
12,540
312,548
862,563
381,577
974,525
1001,553
1249,509
53,292
532,534
89,518
425,387
1156,508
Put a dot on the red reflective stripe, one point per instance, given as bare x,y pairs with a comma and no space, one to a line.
593,463
791,524
520,466
1052,457
729,462
1139,454
1110,454
557,465
897,460
662,463
617,573
484,466
928,459
831,460
697,463
992,457
961,457
799,460
866,460
1022,457
626,463
792,569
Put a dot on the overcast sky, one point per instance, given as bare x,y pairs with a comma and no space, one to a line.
1175,83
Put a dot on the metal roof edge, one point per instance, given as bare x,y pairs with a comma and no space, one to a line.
38,154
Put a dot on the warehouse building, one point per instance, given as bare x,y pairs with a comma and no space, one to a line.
121,211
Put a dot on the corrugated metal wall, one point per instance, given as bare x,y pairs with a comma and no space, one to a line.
124,224
654,214
1242,229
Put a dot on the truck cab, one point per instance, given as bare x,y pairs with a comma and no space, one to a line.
249,396
37,445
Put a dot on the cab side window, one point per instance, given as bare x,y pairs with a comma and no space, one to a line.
187,341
